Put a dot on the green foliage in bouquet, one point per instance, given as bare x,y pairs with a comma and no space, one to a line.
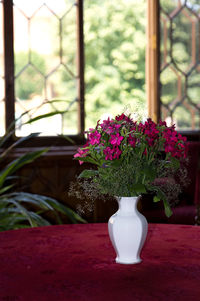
133,158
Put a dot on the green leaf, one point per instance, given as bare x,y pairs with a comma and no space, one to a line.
115,163
11,203
139,188
168,210
72,215
156,199
27,198
45,116
17,143
23,211
6,188
160,194
19,162
6,137
150,173
175,162
37,220
88,173
87,159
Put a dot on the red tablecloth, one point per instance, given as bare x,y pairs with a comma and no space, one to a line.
76,262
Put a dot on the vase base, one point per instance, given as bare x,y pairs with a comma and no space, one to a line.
135,261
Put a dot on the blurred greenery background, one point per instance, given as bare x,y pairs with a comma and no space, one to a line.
115,43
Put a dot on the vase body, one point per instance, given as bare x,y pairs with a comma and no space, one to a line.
127,230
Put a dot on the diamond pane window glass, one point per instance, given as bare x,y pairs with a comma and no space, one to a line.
115,42
2,105
180,63
45,49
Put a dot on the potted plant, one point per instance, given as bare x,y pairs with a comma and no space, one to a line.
19,209
131,158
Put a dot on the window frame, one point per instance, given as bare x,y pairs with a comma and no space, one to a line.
152,73
8,32
153,67
153,60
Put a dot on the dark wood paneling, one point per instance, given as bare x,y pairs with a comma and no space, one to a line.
51,175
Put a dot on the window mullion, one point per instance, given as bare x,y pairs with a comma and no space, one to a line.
9,61
80,67
152,60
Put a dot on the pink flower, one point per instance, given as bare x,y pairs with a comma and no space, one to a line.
182,138
108,153
116,139
81,153
141,127
109,126
113,128
116,153
132,140
94,138
169,148
105,123
162,123
112,153
123,117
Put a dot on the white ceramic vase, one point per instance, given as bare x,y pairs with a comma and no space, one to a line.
127,230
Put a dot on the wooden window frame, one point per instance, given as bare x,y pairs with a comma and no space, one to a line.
153,66
152,73
8,32
153,60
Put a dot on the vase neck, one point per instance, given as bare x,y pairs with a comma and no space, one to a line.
128,204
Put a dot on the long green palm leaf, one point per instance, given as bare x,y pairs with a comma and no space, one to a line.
14,218
16,143
43,202
30,199
18,163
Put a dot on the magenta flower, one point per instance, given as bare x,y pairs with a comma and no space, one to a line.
112,153
105,124
123,117
108,153
116,153
162,123
109,126
116,139
81,153
94,138
110,138
169,148
182,138
132,140
112,128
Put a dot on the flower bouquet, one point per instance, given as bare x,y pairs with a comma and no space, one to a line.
132,156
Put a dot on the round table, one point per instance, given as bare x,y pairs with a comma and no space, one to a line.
77,262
